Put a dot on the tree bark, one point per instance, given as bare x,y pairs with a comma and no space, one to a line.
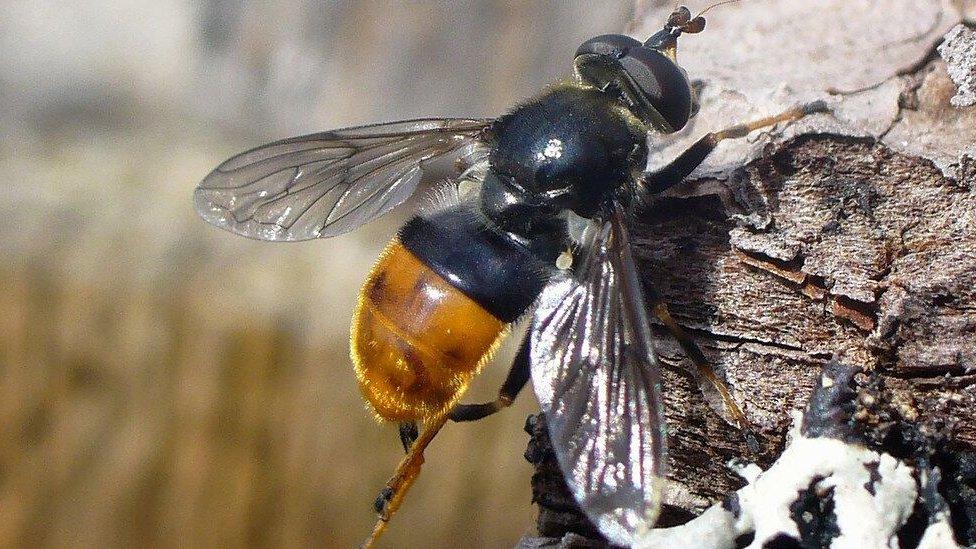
851,235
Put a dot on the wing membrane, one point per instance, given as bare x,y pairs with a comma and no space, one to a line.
329,183
596,379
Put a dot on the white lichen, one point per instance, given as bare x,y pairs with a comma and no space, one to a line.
938,535
959,52
873,495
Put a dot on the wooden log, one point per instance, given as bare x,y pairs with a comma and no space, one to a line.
849,236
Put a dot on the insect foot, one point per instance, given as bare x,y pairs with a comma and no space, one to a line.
383,500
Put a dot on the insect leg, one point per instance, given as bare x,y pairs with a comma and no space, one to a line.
681,167
691,349
391,497
408,434
518,376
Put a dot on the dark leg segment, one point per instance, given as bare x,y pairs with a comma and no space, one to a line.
408,434
681,167
518,376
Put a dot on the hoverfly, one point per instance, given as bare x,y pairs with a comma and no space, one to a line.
564,170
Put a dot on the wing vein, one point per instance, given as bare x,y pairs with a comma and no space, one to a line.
325,184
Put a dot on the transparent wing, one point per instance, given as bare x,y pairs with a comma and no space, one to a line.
597,380
329,183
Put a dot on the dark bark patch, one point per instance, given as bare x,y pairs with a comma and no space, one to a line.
813,513
732,505
875,476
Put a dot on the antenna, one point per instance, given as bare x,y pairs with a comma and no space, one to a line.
697,23
679,22
702,12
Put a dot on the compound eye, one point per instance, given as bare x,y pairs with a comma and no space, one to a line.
650,84
613,46
660,84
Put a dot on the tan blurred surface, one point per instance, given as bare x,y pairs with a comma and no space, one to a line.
165,383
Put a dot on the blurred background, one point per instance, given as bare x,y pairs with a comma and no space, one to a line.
165,383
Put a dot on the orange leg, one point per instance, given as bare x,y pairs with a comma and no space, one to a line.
406,473
704,368
682,166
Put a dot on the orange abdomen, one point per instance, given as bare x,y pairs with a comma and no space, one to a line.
417,341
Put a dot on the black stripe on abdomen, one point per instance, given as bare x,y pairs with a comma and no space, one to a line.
496,272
